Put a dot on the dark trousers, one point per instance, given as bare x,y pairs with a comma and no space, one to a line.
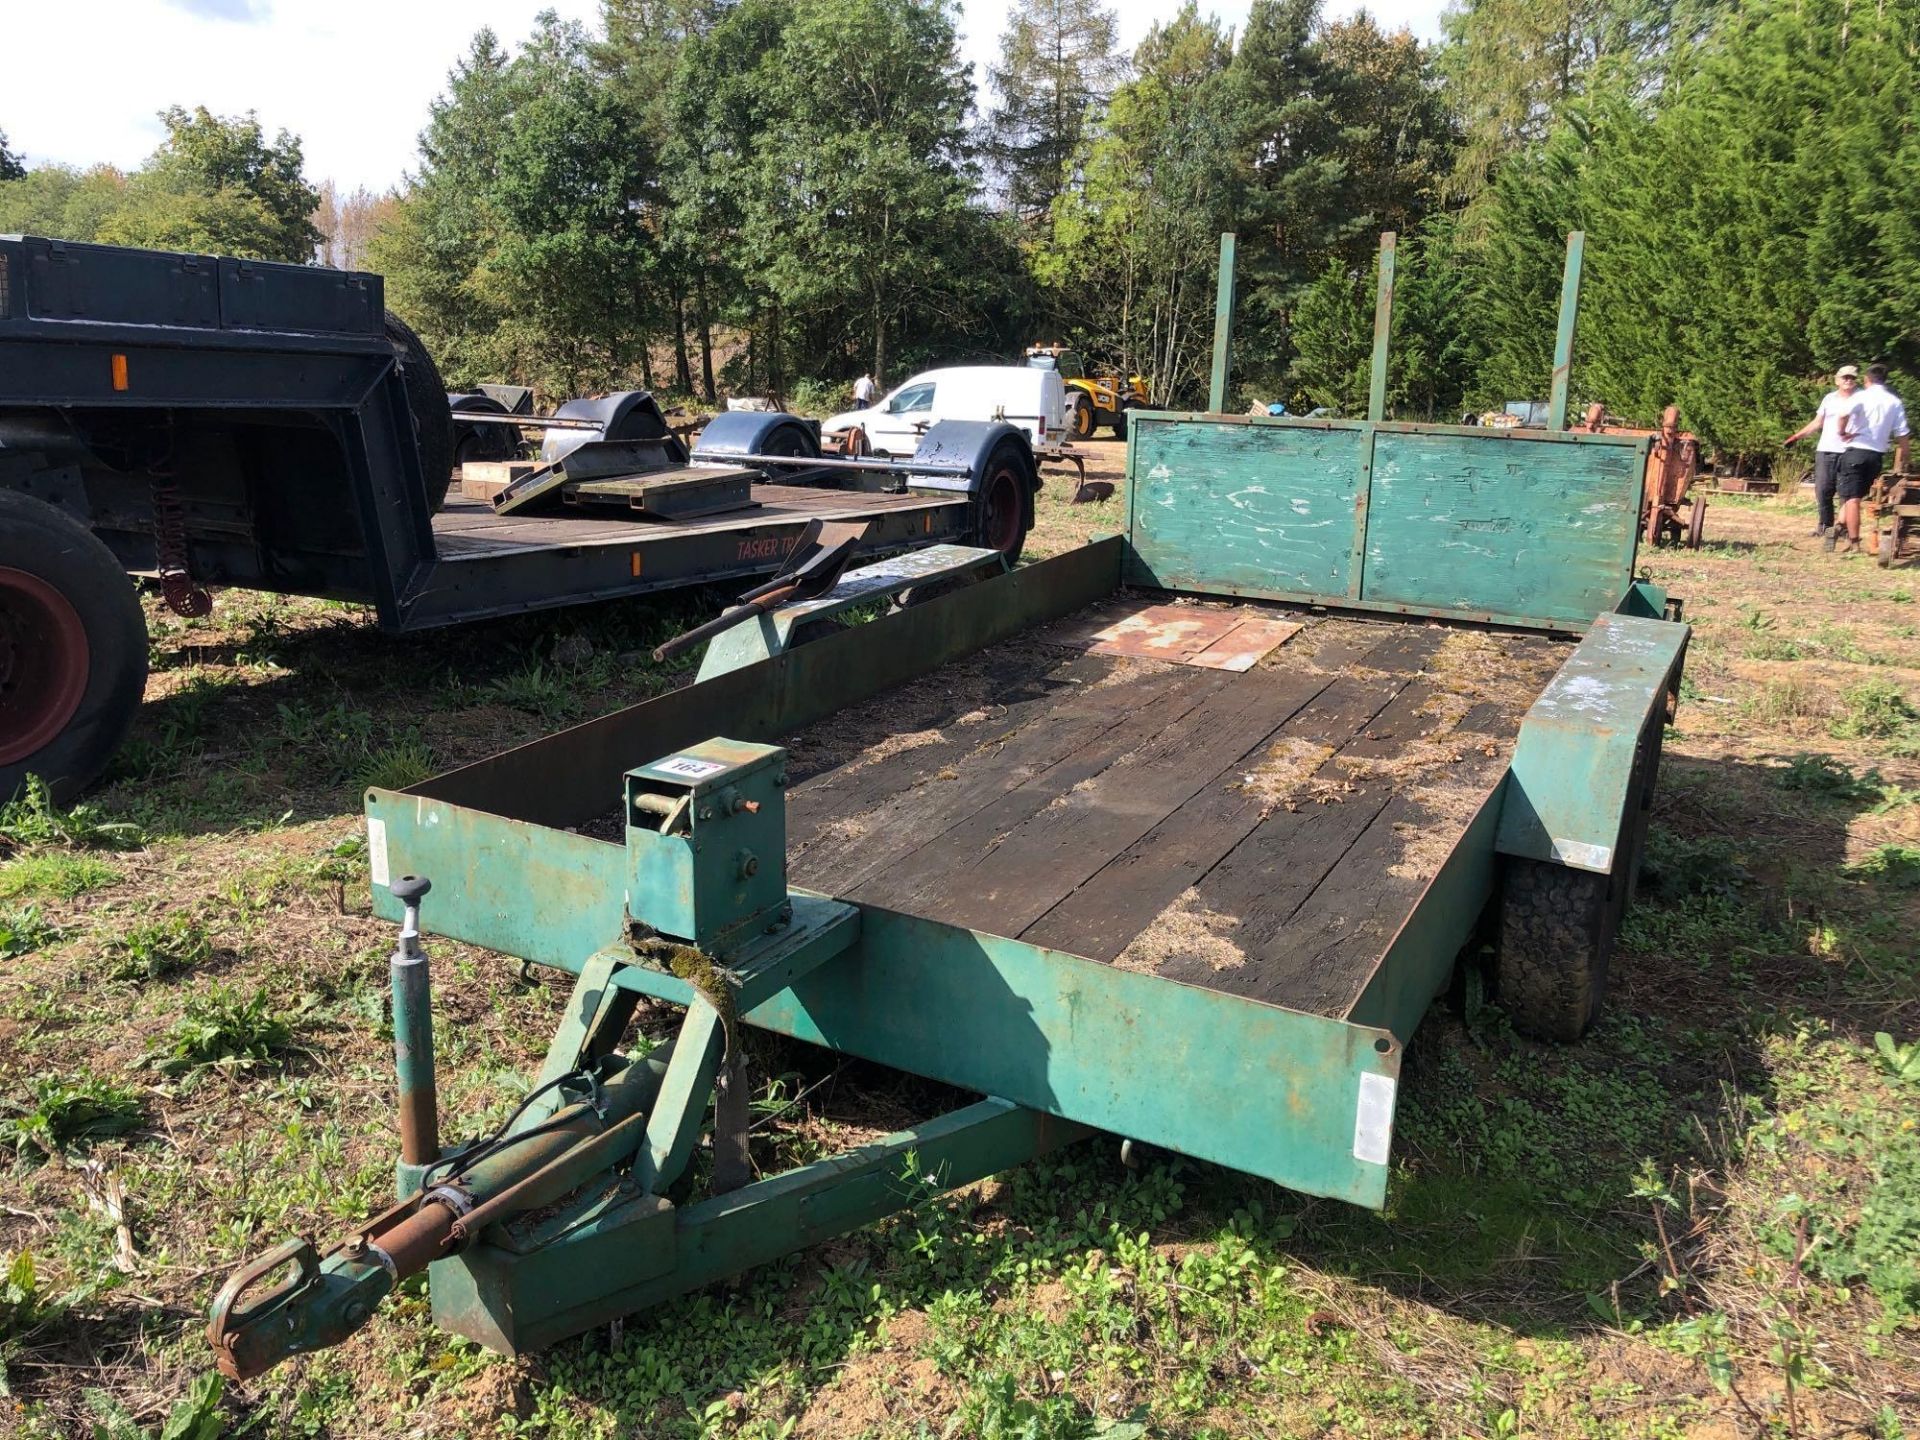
1826,475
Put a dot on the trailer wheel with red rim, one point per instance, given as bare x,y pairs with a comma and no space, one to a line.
73,649
1003,505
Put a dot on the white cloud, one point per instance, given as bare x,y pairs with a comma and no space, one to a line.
352,78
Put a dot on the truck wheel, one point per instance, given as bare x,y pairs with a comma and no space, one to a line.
1003,505
1080,418
432,415
73,650
1557,928
1120,425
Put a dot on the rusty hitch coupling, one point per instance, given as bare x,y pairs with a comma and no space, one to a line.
570,1130
324,1299
542,1155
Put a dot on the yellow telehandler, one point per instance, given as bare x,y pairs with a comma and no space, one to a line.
1092,400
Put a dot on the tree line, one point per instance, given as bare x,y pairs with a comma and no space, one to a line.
753,196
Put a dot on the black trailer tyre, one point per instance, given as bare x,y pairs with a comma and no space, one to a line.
1003,505
73,650
792,439
432,415
1557,928
1120,425
1080,414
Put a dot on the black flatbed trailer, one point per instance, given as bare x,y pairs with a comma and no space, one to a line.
207,421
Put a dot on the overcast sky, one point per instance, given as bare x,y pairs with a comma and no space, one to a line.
352,78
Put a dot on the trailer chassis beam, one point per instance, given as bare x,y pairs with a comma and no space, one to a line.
647,1251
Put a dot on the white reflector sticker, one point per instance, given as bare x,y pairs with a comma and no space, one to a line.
1581,854
377,849
1373,1120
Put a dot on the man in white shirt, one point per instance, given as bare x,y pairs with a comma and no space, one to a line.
1830,447
1876,420
864,390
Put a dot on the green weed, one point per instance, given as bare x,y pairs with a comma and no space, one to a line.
159,948
54,873
196,1416
1781,704
24,931
1836,642
220,1028
1882,1246
1874,710
1897,865
1902,1062
405,762
536,690
20,1300
32,821
1823,775
60,1114
1682,865
1771,647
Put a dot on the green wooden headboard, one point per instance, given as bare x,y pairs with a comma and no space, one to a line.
1520,527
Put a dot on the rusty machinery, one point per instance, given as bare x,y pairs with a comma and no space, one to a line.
1670,513
1894,515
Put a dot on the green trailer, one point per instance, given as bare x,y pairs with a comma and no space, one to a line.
1173,837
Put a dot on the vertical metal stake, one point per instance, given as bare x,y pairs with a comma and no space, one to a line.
1563,337
413,1032
1382,330
1222,328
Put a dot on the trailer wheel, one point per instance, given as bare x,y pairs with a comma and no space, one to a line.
791,438
1080,418
432,415
73,649
1003,505
1119,424
1557,928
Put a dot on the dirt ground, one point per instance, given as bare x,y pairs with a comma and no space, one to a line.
1703,1220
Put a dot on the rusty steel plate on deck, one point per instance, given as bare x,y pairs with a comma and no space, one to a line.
1187,635
1246,644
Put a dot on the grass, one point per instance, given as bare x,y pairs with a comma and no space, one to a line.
1698,1221
34,821
25,930
155,949
63,1112
222,1028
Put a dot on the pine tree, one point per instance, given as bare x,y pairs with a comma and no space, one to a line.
1333,342
1511,65
1058,68
641,56
847,198
1132,250
10,166
1291,219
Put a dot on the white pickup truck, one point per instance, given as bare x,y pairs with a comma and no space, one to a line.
1032,400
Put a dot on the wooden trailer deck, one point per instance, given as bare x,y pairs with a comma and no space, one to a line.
466,528
1262,833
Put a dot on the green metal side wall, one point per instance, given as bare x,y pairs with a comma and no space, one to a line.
1525,528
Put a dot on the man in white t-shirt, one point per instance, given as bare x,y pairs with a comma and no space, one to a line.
1876,420
864,391
1830,447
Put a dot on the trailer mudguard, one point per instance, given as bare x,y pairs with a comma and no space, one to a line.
757,432
1568,794
481,442
623,415
970,443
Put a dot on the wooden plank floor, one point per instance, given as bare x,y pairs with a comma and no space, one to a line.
1262,833
469,527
